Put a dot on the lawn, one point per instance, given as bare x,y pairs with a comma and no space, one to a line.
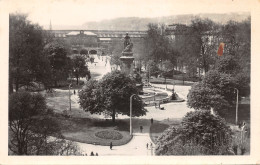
83,127
92,131
161,80
158,127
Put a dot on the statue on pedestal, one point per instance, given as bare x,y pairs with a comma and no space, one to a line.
128,45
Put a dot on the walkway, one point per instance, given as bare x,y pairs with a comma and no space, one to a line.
136,147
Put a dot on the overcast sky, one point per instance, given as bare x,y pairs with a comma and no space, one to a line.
77,12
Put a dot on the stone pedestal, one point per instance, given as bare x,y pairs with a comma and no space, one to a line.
127,60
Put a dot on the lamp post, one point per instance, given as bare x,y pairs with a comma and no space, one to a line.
236,105
131,109
69,97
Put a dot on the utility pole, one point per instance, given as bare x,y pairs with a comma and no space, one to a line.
131,106
236,106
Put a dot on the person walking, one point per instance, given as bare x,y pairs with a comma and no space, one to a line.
111,145
147,145
141,129
92,154
151,145
151,120
96,154
74,92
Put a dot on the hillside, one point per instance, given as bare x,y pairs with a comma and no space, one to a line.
136,23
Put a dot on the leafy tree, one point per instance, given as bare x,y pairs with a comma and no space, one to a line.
61,64
23,106
200,133
215,91
111,96
116,49
167,67
83,51
157,42
33,130
80,68
153,69
26,61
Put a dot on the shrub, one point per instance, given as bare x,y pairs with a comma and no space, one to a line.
200,130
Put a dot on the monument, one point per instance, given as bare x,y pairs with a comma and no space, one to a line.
127,56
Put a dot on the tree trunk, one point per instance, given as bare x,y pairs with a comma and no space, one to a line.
114,116
16,85
11,88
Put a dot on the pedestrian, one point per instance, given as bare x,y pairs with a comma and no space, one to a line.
141,129
96,154
147,145
151,145
151,120
111,145
74,92
92,154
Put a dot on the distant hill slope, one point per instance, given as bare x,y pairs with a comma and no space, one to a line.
136,23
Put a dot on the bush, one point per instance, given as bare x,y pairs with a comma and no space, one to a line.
200,130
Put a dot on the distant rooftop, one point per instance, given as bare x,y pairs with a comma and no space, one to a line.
74,33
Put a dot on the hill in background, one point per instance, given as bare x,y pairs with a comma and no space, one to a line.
136,23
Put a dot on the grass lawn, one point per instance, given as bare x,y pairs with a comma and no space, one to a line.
243,114
161,80
82,127
158,127
90,131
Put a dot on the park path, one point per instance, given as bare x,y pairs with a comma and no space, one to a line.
136,147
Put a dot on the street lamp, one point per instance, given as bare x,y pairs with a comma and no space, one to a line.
131,109
236,105
69,97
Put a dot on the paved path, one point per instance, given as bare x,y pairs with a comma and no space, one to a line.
136,147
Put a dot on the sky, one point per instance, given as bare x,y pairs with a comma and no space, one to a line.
77,12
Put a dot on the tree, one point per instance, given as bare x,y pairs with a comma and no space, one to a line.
203,31
167,67
157,42
61,64
153,69
32,128
116,51
80,68
200,133
23,106
111,95
26,60
216,91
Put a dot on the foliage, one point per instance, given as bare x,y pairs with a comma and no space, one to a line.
215,91
153,69
26,61
79,67
32,130
116,49
157,42
200,133
111,96
23,106
61,64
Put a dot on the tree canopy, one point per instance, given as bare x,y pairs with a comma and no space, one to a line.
111,96
80,69
200,133
26,60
